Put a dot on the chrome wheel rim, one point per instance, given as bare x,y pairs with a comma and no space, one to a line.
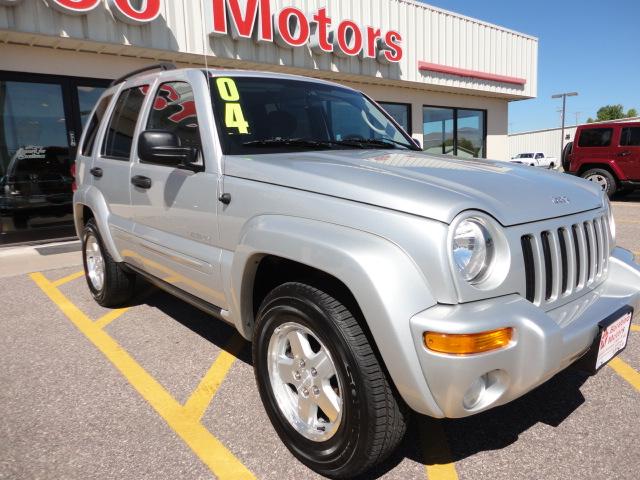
600,180
95,262
305,382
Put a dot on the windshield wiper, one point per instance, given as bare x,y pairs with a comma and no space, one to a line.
373,142
293,142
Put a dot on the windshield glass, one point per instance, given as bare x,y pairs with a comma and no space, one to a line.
524,155
265,115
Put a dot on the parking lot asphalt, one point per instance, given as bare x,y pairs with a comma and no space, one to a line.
159,390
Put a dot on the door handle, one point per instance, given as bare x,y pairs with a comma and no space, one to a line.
141,181
624,154
96,172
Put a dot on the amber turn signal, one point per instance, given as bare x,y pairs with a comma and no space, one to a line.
465,344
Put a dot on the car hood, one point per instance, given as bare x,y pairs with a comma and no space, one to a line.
431,186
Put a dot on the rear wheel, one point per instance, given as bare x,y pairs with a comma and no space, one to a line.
603,178
323,388
108,282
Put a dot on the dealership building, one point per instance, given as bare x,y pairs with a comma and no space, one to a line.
446,78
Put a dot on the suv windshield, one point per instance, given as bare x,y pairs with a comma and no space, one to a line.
265,115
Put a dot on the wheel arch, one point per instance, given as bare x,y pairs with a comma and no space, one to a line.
93,205
375,275
611,167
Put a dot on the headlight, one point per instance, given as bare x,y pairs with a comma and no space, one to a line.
472,249
612,221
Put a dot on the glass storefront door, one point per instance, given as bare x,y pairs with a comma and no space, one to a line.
41,119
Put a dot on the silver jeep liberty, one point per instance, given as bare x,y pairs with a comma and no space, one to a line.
371,278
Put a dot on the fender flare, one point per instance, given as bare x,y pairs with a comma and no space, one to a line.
387,285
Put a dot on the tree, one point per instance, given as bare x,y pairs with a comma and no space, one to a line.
612,112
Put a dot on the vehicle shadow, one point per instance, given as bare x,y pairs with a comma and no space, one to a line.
211,329
633,197
432,442
428,441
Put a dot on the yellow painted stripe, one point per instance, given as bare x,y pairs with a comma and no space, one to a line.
207,447
68,278
201,397
110,317
635,328
438,460
625,371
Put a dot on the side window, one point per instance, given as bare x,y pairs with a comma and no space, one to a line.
630,137
539,156
94,125
119,136
174,110
595,137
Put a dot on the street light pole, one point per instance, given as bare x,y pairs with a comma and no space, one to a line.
564,111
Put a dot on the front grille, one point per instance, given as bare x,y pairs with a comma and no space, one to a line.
563,261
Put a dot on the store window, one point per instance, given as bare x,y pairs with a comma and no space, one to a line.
455,131
400,112
40,123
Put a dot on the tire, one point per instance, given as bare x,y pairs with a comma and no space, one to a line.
565,160
370,422
108,282
552,166
602,177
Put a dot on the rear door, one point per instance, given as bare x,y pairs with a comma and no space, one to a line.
111,169
628,157
175,214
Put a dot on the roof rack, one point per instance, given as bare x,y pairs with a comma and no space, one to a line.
164,66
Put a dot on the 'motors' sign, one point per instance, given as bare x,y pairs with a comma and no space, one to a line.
289,27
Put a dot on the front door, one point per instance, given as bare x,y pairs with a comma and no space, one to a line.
629,152
175,212
41,119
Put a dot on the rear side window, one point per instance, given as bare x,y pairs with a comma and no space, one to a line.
174,110
119,136
630,137
595,137
94,124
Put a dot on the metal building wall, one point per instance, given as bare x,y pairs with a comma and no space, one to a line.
546,141
429,34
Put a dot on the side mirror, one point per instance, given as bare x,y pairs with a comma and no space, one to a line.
163,148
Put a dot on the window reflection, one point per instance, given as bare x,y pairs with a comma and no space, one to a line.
454,131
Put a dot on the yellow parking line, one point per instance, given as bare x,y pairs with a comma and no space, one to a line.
201,397
68,278
207,447
635,328
625,371
438,459
110,317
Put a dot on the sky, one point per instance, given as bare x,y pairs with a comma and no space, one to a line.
588,46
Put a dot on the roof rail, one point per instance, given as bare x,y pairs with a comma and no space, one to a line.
164,66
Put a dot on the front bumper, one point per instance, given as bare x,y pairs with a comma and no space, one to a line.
544,343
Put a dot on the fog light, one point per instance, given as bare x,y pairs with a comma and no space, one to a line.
468,343
474,392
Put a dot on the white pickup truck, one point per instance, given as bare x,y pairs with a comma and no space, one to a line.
535,159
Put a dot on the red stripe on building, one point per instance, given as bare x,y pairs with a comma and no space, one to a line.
461,72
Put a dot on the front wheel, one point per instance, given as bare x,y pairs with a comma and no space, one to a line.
323,388
603,178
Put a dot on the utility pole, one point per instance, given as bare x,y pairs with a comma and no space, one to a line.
577,117
563,96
